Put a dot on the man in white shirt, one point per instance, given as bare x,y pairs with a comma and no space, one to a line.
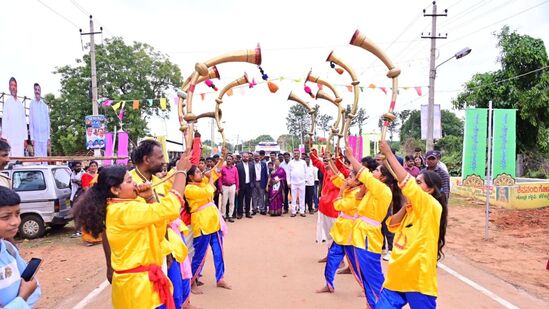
39,123
14,123
297,173
309,185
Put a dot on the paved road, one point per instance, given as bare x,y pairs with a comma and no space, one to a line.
271,263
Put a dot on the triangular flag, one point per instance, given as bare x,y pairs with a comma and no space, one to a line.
202,96
383,89
361,89
350,88
281,78
163,103
150,102
405,88
116,106
107,102
372,86
320,86
297,80
230,92
135,104
418,90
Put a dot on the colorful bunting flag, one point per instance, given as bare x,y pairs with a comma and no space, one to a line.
202,96
383,89
350,88
372,86
163,103
116,106
320,86
121,114
418,90
135,104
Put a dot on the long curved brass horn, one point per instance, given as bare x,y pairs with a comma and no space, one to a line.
312,111
362,41
219,100
320,94
354,82
213,73
315,79
201,69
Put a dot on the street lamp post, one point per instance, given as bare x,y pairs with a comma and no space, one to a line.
431,107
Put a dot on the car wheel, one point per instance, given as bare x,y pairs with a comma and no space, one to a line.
32,226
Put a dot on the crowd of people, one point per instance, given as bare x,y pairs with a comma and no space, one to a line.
156,220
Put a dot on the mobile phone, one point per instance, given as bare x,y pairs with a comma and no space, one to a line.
31,269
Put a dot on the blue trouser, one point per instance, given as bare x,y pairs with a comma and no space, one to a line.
391,299
174,273
200,244
366,266
336,253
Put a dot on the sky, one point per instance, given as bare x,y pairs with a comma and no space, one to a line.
295,36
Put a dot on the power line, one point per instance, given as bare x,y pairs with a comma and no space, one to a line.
495,23
500,81
58,14
490,10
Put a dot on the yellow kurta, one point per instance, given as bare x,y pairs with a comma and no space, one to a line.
134,234
374,205
342,230
205,221
413,263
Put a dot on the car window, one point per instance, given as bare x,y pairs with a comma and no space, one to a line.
28,181
62,178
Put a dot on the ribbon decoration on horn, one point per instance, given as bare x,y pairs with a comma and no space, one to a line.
336,101
312,112
354,82
219,100
360,40
202,69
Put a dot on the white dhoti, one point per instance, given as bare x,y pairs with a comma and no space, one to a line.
323,226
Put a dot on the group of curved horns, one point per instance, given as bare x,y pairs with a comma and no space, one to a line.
207,71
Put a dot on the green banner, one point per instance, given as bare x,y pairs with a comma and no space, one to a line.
504,143
474,146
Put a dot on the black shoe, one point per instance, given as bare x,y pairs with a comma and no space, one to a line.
254,213
311,211
230,220
293,215
303,215
239,217
263,213
248,216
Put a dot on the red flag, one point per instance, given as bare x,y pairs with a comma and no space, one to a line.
383,89
418,90
202,96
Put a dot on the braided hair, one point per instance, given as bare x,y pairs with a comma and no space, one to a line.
433,181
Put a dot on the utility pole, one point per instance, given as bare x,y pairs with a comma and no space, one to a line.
95,108
432,72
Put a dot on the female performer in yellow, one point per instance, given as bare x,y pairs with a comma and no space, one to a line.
367,240
420,230
132,228
207,223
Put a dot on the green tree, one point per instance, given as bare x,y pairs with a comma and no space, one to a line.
124,72
298,121
263,138
323,122
411,124
392,128
521,83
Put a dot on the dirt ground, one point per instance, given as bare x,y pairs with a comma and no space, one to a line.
286,275
517,250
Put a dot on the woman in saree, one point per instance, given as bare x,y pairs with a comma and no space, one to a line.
276,189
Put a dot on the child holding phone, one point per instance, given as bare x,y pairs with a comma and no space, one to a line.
14,291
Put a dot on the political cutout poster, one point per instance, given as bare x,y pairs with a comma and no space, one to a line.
95,132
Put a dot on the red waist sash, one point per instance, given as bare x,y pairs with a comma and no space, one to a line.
160,282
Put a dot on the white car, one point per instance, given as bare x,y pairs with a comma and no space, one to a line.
45,197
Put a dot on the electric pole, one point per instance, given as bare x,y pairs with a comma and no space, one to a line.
95,108
432,72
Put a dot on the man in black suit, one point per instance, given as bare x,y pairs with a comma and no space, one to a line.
259,184
246,175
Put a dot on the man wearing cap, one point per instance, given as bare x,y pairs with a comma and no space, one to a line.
432,165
